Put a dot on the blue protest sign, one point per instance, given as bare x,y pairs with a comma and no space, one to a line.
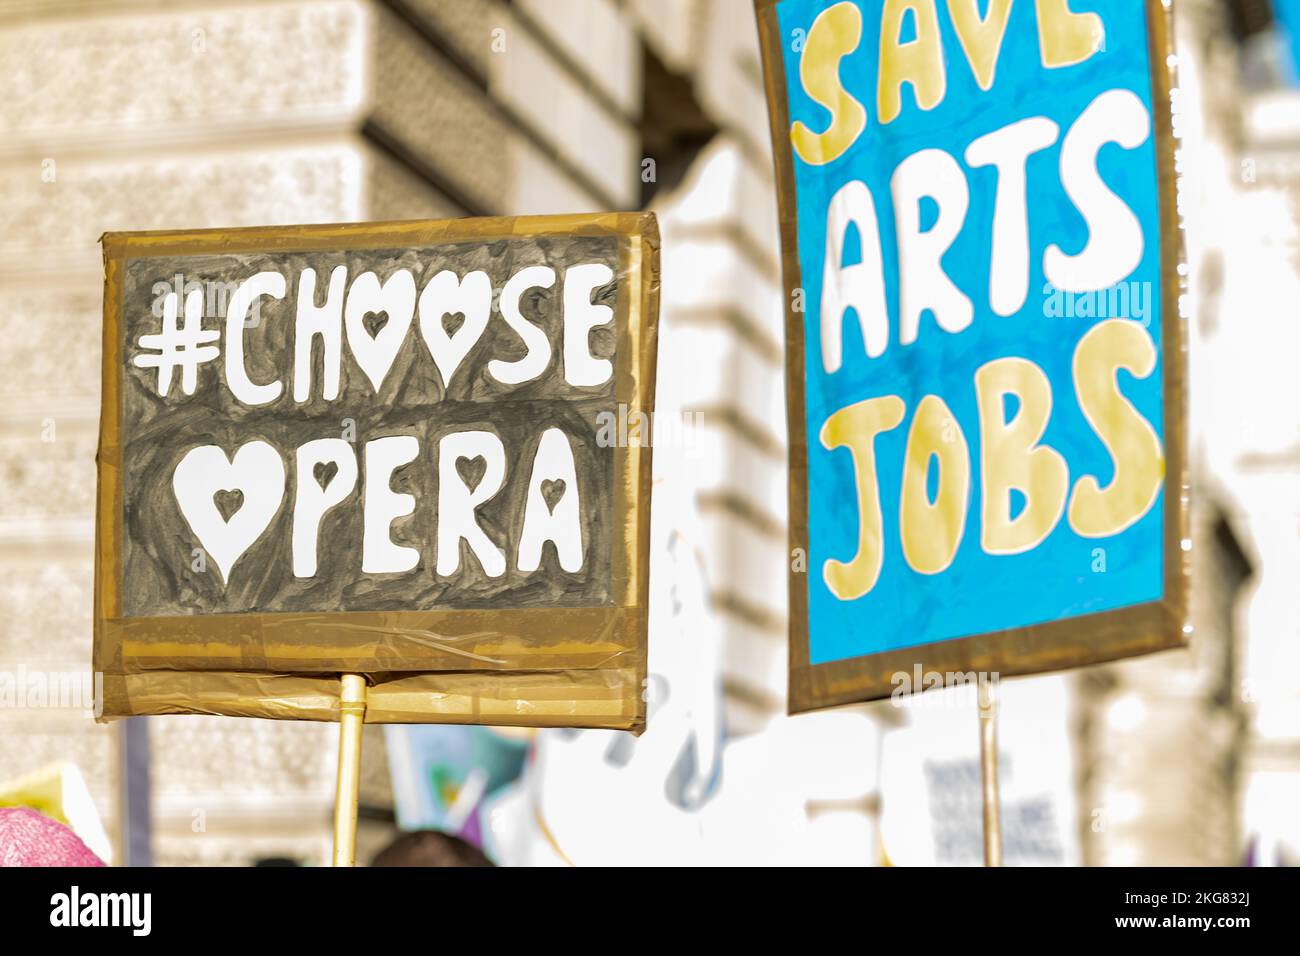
985,373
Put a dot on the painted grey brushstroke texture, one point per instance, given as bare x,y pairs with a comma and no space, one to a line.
157,432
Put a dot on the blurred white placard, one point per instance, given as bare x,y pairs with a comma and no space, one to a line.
931,811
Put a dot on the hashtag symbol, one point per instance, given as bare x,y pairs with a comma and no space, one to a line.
178,346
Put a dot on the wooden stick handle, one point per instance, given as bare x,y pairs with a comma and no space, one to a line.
988,704
352,715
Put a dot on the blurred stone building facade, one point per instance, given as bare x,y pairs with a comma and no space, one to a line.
149,114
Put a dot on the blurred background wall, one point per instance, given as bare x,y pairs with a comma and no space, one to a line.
148,114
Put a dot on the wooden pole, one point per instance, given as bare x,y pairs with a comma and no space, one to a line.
352,713
988,704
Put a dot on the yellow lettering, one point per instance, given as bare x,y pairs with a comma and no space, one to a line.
1011,458
855,428
1129,438
833,35
1065,37
919,61
931,533
981,39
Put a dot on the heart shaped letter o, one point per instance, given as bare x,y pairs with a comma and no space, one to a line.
256,471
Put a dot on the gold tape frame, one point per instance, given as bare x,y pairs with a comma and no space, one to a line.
546,667
1072,642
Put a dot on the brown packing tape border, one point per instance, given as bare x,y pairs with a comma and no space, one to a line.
1073,642
258,664
591,699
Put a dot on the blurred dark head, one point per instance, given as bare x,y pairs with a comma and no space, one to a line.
430,848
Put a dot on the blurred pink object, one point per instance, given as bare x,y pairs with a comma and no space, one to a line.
28,838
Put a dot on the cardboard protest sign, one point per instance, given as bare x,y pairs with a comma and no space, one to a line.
985,369
391,449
